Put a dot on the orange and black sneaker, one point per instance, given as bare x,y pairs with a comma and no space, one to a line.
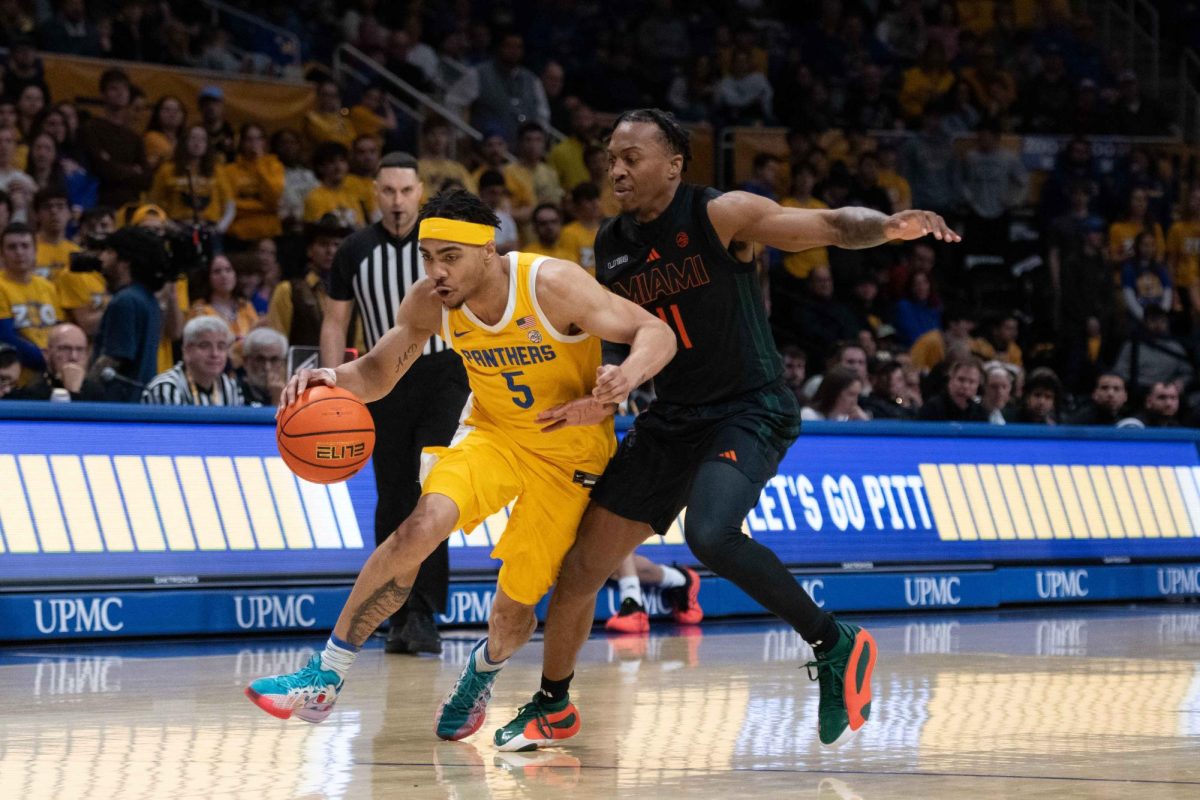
685,600
631,617
538,723
844,673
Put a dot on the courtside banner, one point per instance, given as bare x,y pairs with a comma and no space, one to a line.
179,497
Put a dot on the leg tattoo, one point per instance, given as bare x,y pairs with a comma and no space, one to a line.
382,603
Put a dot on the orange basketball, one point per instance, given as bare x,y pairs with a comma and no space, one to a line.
326,436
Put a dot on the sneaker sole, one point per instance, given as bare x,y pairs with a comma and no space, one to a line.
461,733
858,692
308,715
642,625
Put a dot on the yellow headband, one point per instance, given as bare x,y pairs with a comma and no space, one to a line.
455,230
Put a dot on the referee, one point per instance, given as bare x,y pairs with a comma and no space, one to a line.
372,271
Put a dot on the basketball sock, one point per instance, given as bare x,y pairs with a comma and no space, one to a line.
631,589
339,655
483,663
556,691
672,578
828,636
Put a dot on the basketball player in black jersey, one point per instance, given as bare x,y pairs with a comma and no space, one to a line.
723,418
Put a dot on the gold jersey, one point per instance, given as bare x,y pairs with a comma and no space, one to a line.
522,366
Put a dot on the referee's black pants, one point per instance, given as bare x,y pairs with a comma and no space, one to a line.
422,411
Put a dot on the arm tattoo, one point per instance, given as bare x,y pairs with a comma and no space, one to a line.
860,227
383,602
403,360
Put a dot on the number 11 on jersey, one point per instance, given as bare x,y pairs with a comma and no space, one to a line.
678,326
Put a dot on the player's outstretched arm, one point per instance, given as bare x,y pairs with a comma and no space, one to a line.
745,217
573,300
375,374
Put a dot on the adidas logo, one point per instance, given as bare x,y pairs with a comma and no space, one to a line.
728,454
654,256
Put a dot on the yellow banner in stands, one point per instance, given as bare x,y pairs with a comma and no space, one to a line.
273,104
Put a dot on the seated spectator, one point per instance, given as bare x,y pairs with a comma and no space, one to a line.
764,176
494,192
799,265
434,163
866,190
1145,282
953,341
493,151
264,371
537,178
212,115
997,392
902,32
821,321
12,177
925,83
547,226
332,195
66,368
298,179
29,304
365,154
1106,404
927,161
199,379
915,314
889,397
958,402
266,257
1152,355
836,399
1122,234
70,31
10,370
52,213
24,67
216,55
168,124
49,171
1160,408
1137,114
135,267
31,103
596,161
995,89
852,356
1046,98
899,192
794,365
256,179
579,236
298,306
373,115
114,150
1000,341
190,188
690,95
217,296
1183,255
1040,401
568,156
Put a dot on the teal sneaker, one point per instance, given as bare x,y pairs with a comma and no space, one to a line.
539,722
844,674
309,693
464,709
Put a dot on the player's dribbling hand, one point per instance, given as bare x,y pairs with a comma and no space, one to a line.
301,381
584,411
612,384
914,224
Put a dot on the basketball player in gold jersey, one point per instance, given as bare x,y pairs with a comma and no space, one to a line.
528,329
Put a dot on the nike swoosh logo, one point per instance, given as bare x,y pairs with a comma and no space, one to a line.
461,333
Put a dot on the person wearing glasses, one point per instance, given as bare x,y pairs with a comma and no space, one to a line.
66,368
200,378
264,367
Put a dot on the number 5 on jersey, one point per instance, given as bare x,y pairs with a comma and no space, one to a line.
523,395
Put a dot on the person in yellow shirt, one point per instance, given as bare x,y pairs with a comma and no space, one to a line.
547,226
256,180
373,116
977,16
1000,344
168,120
29,305
579,236
1183,252
433,158
52,212
190,188
494,151
84,295
530,170
567,157
596,159
332,196
951,341
1124,232
219,298
927,82
799,265
363,163
895,184
328,122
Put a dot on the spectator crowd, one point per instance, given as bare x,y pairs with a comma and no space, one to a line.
1071,300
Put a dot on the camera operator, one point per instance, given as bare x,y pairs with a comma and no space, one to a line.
135,266
81,288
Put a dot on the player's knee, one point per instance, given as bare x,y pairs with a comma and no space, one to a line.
708,542
420,533
582,573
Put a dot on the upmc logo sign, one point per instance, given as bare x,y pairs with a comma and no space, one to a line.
77,615
267,611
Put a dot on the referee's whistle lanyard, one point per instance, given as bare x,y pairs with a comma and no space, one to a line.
216,394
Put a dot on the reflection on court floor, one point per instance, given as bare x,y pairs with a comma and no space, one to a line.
1092,702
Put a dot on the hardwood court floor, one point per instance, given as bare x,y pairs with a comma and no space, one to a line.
1085,702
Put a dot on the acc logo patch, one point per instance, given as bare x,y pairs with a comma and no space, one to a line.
535,337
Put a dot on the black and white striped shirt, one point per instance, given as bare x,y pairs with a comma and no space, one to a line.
174,388
375,270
